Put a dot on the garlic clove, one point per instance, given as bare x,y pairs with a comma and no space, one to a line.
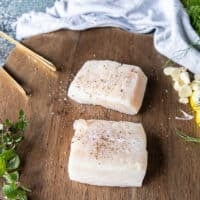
184,100
184,76
195,85
185,91
177,85
168,70
176,74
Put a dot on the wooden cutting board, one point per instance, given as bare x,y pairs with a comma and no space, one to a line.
173,166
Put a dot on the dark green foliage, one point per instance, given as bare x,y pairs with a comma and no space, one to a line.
193,9
11,134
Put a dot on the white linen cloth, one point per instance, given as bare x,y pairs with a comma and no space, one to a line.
167,19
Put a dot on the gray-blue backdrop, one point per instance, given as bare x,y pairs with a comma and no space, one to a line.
9,11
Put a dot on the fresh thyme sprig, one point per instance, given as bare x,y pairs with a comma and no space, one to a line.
187,137
11,134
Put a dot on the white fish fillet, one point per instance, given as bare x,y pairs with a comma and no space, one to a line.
110,84
108,153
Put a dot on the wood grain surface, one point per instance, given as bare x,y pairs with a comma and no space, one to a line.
173,165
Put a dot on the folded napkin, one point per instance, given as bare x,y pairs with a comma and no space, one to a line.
167,19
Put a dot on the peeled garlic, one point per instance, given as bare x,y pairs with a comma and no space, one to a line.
168,71
182,83
176,74
197,77
184,100
177,85
184,76
185,91
195,85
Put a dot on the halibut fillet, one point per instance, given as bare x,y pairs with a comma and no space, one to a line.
117,86
108,153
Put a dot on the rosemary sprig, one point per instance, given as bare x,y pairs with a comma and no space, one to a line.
187,137
11,134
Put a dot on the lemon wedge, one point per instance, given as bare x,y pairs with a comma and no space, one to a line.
197,117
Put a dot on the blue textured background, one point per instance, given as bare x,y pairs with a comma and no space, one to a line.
9,11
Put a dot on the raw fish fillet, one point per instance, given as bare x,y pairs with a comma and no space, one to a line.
110,84
108,153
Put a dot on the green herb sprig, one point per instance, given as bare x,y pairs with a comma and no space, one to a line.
11,134
193,10
187,137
